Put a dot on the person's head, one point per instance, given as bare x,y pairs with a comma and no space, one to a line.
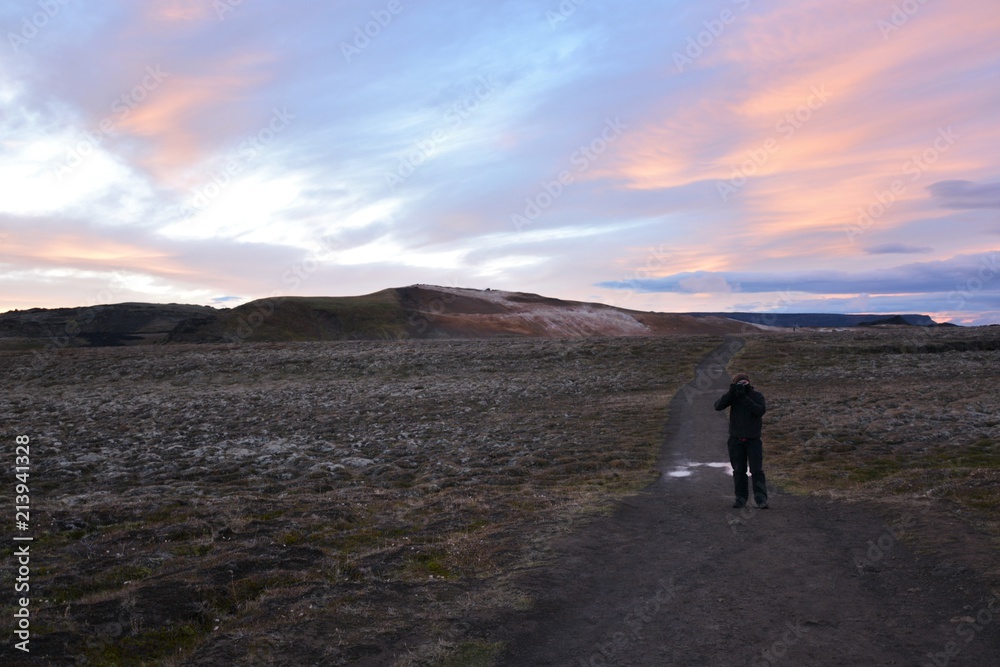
741,378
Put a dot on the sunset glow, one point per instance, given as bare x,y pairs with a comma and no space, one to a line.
792,156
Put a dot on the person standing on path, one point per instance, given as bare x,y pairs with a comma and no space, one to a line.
746,407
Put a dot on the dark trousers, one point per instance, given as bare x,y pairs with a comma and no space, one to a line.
744,451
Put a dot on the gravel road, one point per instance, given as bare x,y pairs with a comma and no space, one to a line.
677,577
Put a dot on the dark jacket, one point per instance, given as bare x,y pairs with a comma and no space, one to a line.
744,412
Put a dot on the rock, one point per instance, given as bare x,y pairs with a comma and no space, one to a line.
357,462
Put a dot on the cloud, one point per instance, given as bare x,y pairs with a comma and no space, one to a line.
966,194
897,248
979,272
792,161
179,10
705,283
53,246
189,112
805,109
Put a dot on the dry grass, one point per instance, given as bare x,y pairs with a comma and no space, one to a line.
326,502
319,502
906,417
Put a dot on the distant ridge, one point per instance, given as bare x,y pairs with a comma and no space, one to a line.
417,311
824,320
895,320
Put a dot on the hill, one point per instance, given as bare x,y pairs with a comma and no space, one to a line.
418,311
426,311
97,326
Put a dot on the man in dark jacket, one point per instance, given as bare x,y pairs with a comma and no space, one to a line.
746,407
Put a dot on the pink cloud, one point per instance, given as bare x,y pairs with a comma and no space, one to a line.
179,11
174,122
92,253
806,113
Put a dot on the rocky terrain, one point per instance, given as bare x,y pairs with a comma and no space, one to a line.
378,502
316,503
837,573
893,416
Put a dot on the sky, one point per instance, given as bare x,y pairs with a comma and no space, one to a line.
728,155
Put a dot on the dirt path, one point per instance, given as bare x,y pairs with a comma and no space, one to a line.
677,577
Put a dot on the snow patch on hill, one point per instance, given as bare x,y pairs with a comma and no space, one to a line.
554,317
